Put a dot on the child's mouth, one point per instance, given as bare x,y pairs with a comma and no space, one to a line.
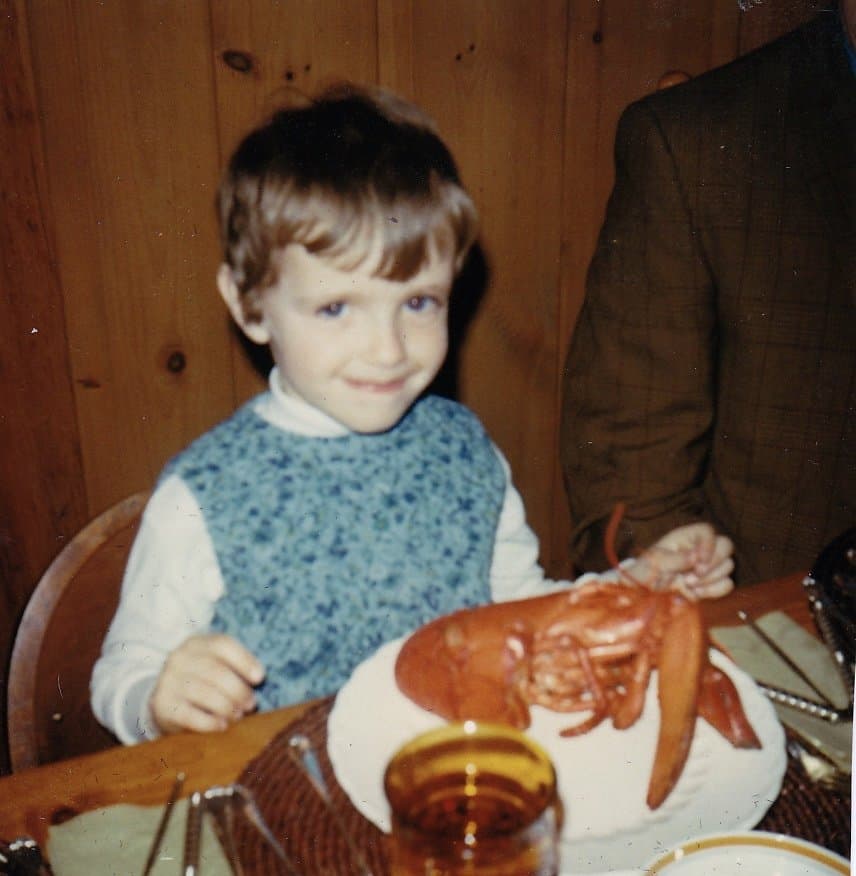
379,387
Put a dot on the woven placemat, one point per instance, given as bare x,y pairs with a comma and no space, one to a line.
810,812
311,838
298,817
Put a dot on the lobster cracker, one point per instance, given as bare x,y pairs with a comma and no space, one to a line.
223,804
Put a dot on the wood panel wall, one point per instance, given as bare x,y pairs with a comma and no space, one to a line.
114,348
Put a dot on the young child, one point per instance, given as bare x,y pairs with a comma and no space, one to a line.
342,508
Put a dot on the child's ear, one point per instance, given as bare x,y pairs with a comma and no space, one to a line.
253,326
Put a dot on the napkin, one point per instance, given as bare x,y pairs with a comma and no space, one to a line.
117,839
748,650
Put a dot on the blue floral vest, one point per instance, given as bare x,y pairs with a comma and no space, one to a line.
329,547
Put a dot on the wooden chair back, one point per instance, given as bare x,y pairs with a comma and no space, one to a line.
59,639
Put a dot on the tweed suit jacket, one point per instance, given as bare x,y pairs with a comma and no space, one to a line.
712,373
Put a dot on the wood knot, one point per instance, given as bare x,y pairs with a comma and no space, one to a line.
239,61
176,362
63,814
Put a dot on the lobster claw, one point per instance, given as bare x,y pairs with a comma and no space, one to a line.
682,658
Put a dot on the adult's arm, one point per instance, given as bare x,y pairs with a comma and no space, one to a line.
638,402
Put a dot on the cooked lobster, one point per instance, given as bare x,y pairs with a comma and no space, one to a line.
589,648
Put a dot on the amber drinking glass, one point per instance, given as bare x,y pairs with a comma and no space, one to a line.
473,798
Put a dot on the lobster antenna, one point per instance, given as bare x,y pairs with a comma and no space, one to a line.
609,539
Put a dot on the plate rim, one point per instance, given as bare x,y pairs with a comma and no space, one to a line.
755,838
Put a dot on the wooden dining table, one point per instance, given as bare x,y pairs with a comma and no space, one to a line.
32,800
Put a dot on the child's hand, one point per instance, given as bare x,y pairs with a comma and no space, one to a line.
694,560
206,684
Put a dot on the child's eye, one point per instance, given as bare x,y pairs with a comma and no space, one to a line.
421,303
334,308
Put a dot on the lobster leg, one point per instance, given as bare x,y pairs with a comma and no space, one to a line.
599,704
680,669
629,708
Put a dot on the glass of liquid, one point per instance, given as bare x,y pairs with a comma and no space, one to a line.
473,798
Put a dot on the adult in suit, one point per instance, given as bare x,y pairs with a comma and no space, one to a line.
712,372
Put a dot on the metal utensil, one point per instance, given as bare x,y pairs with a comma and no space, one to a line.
817,767
771,643
223,803
193,834
801,704
23,857
226,802
825,710
831,589
300,750
175,793
224,827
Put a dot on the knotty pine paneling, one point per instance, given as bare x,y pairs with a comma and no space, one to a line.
267,55
42,494
492,76
127,105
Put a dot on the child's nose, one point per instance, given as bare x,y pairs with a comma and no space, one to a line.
387,344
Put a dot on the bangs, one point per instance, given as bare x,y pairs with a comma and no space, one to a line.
395,239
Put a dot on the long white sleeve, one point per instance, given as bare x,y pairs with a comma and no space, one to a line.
171,584
515,572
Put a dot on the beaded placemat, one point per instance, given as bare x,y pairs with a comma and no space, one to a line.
312,839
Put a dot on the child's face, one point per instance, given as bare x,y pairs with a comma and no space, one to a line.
359,347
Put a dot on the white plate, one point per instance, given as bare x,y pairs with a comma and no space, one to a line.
749,854
603,775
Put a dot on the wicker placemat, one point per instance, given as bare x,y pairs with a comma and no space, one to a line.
810,812
310,836
296,814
